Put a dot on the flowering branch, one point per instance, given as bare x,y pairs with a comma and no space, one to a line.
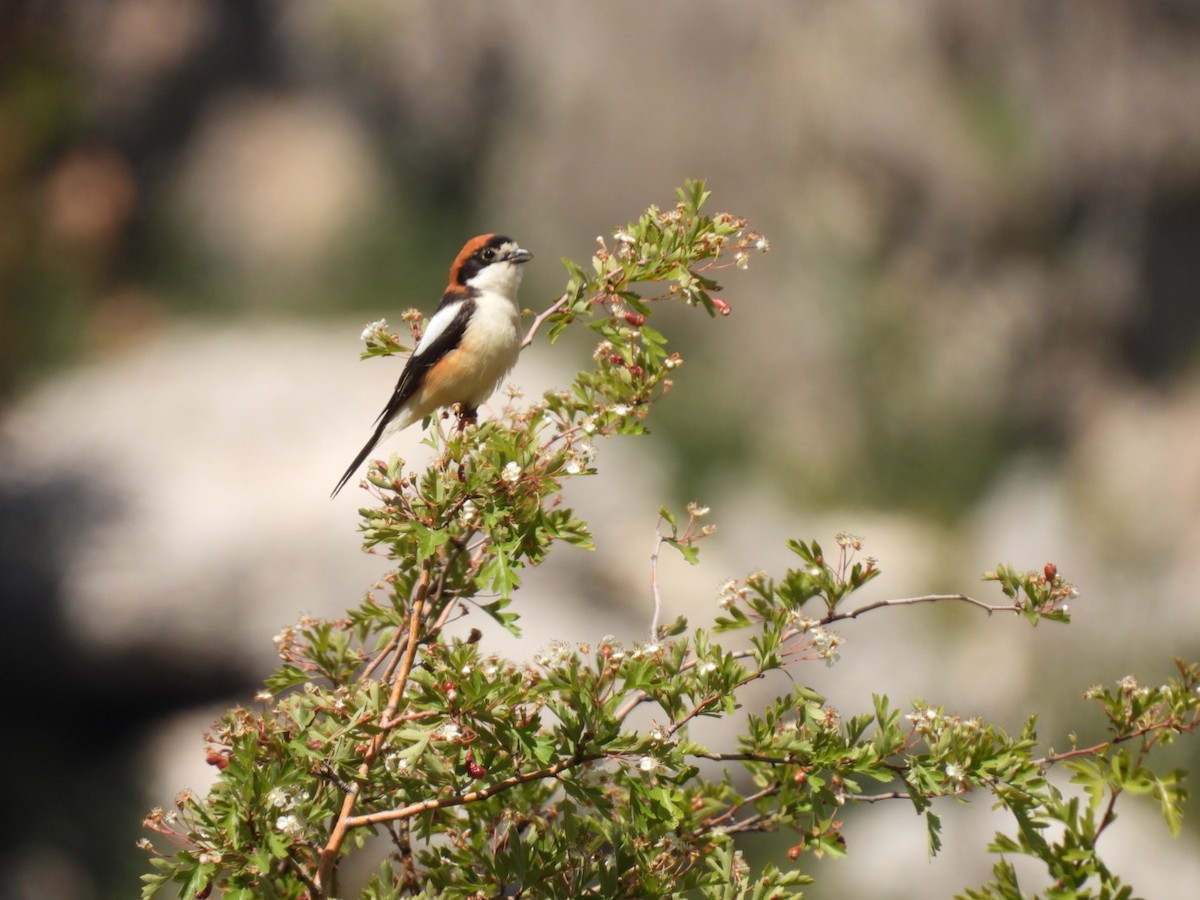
492,777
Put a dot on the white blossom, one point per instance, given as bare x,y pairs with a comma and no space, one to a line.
396,764
283,798
290,824
374,329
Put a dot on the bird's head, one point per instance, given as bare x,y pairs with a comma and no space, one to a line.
490,262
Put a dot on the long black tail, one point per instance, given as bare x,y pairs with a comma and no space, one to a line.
362,454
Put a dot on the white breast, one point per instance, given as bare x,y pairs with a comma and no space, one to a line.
492,342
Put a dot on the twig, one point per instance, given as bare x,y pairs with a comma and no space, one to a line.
909,601
542,317
640,696
343,824
654,591
878,798
298,868
402,833
414,809
383,654
708,824
389,724
1051,759
708,701
748,757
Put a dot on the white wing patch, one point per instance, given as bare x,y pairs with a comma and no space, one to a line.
439,323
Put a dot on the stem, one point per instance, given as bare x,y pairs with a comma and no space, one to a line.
413,809
654,591
709,824
541,318
1119,739
710,700
909,601
383,654
344,822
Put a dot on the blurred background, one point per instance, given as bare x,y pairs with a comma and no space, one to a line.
976,340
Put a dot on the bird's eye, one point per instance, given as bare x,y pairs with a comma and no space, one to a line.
488,254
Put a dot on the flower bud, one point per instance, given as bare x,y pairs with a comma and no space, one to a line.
474,769
218,758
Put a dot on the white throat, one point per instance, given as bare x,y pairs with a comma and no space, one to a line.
503,278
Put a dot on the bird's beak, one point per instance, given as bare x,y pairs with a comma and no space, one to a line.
518,256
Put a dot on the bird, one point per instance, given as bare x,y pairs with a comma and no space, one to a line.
472,341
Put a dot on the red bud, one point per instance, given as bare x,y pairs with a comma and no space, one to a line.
721,305
636,319
474,769
1051,570
218,758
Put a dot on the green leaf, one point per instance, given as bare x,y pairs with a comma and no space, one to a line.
496,608
669,517
678,627
933,826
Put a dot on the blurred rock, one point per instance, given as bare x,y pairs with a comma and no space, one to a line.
271,182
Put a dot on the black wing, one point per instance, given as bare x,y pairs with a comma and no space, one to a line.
412,376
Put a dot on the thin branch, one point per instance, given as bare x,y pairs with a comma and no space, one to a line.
297,868
389,724
1177,727
383,654
710,700
713,821
909,601
639,697
403,836
541,317
747,757
654,591
398,657
879,798
342,825
414,809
